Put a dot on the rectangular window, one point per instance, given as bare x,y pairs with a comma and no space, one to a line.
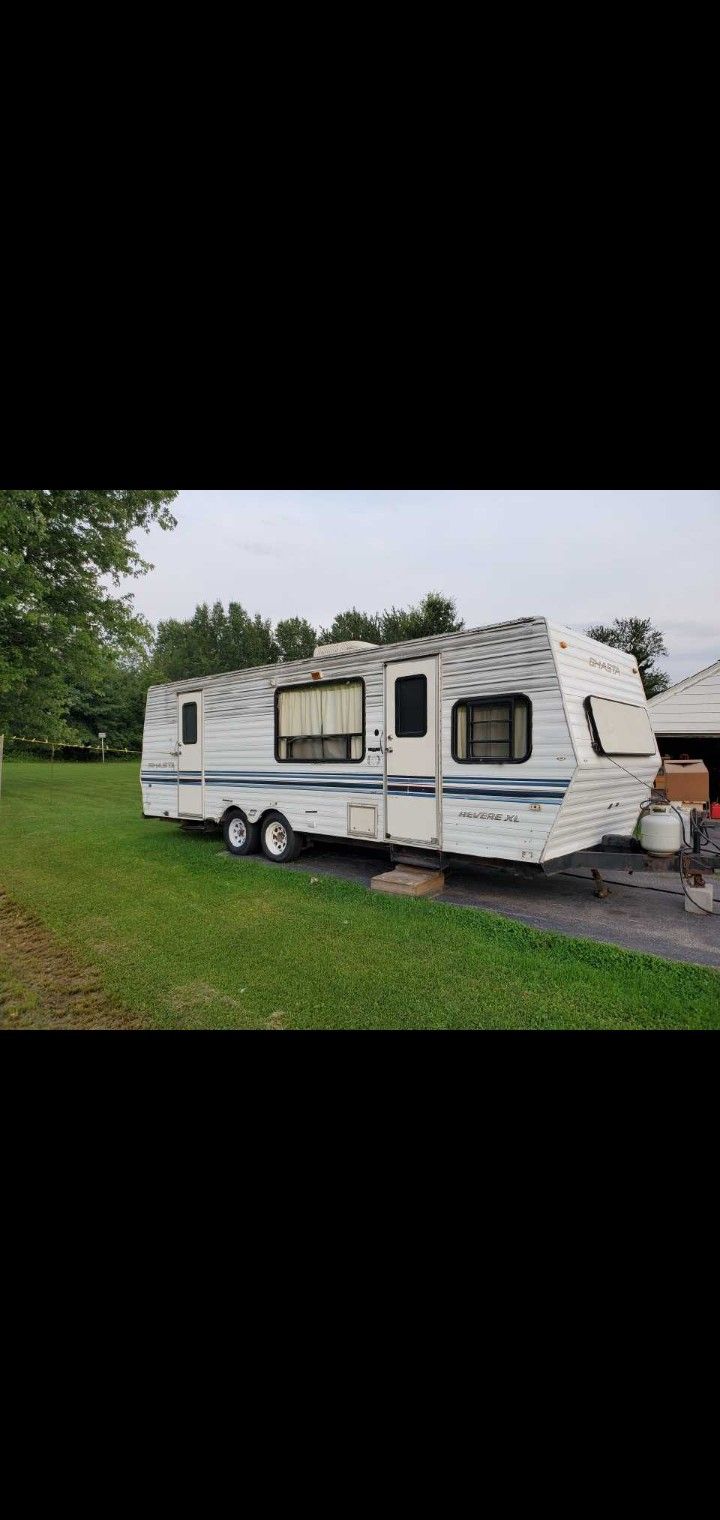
189,723
491,729
410,707
320,722
620,728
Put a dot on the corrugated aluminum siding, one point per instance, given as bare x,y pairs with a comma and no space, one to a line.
159,740
602,798
497,809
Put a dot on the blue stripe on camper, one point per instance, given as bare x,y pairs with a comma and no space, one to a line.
549,790
514,797
456,777
277,784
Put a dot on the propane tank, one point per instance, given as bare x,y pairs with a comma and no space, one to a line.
661,832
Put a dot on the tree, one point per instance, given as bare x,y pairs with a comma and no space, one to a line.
295,638
59,620
352,625
212,641
645,643
434,614
114,702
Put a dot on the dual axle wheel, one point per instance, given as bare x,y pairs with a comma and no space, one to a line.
277,840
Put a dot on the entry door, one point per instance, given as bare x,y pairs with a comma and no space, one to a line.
411,707
190,774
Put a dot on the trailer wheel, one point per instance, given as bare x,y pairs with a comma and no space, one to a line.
278,840
241,837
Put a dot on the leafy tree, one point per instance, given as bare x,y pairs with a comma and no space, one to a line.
114,702
352,625
296,639
211,641
59,620
645,643
434,614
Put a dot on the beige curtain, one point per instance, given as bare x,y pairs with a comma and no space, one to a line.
342,708
315,710
520,737
461,720
497,717
300,711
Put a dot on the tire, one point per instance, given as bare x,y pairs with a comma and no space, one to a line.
241,837
278,840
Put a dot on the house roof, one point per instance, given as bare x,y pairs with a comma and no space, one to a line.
681,685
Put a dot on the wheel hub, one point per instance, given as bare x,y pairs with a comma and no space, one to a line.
237,833
277,838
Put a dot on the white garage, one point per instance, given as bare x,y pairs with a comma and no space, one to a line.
686,720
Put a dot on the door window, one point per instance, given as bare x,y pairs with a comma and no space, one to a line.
189,723
410,707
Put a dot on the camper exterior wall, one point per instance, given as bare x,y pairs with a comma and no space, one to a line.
160,734
240,763
602,798
505,811
548,805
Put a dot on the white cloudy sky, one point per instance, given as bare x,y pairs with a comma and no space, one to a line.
578,556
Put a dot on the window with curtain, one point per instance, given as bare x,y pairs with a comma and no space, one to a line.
323,721
492,728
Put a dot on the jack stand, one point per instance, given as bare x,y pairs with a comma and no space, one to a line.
601,890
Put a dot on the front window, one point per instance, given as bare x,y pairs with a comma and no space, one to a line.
492,728
320,722
619,728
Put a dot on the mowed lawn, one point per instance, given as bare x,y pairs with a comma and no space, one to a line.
185,937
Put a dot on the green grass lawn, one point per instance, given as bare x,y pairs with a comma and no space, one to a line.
184,936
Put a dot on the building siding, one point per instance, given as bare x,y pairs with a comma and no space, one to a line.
690,707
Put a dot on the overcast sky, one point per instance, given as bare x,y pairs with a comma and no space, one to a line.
578,556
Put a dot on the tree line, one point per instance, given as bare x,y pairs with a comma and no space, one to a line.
75,658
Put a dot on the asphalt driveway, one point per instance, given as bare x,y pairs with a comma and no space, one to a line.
643,912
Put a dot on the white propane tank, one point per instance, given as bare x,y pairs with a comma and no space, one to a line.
661,832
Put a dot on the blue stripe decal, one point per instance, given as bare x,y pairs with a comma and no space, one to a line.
457,787
327,786
502,797
498,791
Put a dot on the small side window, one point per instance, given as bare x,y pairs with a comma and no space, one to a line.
411,707
492,729
189,723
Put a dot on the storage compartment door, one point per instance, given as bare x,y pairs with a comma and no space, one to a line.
190,762
411,745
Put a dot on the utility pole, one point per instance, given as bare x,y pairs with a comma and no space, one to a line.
102,738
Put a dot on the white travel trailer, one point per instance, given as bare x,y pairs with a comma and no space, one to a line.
520,742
